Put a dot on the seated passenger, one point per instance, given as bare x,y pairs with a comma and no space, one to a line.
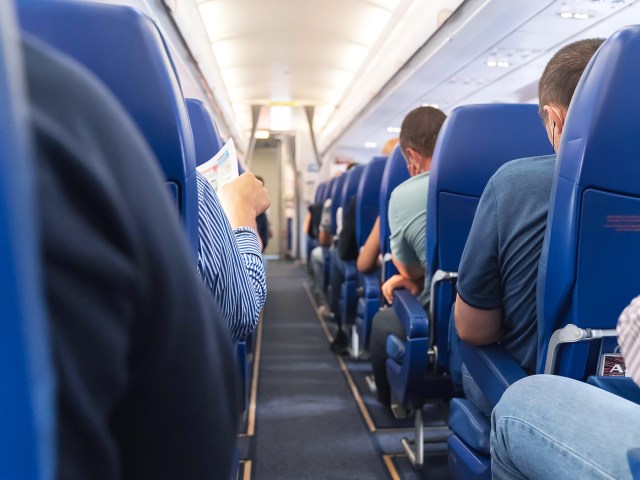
407,222
229,257
547,426
498,270
146,387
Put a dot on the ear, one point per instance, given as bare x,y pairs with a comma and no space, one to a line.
557,115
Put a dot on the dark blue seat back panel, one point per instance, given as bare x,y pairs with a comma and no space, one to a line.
125,50
590,263
350,187
206,139
395,172
27,402
336,199
319,196
368,203
474,142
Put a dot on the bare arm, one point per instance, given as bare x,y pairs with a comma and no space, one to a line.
368,256
412,272
398,281
477,326
307,224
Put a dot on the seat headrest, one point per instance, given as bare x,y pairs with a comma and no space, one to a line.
350,187
206,138
368,203
395,172
473,143
602,119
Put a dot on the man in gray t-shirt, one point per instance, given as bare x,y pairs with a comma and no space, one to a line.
407,221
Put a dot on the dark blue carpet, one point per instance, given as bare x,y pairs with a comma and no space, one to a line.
307,423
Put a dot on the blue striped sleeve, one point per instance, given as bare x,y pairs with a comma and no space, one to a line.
230,264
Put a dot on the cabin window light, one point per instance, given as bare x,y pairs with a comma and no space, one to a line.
262,134
393,129
370,145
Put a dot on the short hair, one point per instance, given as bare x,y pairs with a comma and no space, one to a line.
419,130
562,74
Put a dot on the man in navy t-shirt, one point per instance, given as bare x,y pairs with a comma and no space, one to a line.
497,276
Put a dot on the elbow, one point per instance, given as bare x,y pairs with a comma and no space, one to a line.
474,336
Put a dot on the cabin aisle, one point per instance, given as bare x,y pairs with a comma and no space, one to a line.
307,423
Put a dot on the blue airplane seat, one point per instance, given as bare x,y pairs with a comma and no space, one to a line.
466,155
317,198
124,48
319,192
348,295
206,139
335,194
395,172
367,210
28,413
589,267
336,199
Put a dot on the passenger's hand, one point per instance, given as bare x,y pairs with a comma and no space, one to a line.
398,281
243,200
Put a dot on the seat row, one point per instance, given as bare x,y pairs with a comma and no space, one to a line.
589,268
126,51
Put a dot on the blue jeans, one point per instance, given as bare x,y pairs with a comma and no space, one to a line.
551,427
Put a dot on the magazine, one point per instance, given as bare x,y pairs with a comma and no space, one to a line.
223,167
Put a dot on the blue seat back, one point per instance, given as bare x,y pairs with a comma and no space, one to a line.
350,187
124,48
336,199
473,143
395,172
590,263
27,406
206,139
319,192
368,202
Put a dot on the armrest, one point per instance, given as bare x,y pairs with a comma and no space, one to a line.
621,386
369,285
411,314
492,368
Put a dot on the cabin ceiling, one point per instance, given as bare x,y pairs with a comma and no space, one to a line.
363,64
293,53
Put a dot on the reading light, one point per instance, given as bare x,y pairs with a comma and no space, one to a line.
574,16
393,129
370,145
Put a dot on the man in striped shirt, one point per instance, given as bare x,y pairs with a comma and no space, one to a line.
229,256
547,426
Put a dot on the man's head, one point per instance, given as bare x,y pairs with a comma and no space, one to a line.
418,134
559,81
